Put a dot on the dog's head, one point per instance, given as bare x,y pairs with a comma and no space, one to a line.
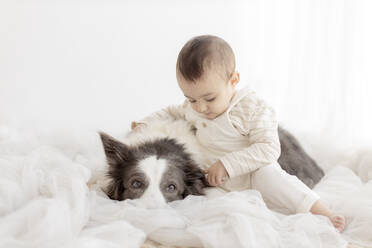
156,171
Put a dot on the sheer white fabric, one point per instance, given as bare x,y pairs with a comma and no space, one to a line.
49,197
312,60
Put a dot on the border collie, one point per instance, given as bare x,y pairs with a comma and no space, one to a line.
156,171
161,163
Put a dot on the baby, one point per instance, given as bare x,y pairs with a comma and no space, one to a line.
237,127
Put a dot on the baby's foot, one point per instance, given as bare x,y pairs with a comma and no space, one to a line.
338,222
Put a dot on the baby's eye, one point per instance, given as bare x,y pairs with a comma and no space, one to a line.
211,100
192,101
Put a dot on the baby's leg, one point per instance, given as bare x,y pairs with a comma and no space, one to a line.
282,190
337,220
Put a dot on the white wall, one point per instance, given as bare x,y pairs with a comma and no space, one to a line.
102,64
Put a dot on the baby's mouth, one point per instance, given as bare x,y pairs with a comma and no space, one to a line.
210,116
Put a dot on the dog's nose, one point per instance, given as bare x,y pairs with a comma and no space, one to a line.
153,198
151,203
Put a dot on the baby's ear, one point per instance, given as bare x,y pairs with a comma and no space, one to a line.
235,78
116,151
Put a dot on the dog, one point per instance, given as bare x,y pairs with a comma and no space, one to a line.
161,163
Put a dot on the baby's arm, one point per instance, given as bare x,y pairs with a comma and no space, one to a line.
172,112
257,121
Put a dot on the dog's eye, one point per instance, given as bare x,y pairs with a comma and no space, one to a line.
136,184
171,188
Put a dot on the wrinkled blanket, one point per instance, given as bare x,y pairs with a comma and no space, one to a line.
49,198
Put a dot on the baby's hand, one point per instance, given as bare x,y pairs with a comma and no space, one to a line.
216,174
137,126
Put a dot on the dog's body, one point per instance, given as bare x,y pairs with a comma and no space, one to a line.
295,161
162,163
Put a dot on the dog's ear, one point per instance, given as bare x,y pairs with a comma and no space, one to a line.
195,181
116,151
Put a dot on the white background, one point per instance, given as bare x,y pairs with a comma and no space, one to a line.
101,64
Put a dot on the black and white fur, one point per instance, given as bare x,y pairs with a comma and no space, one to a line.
162,163
156,167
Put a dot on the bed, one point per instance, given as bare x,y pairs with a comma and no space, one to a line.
50,197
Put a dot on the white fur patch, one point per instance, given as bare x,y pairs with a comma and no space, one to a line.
179,130
154,169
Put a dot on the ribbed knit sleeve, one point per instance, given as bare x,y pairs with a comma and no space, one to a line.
256,121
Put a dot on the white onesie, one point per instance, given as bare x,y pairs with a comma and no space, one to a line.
245,139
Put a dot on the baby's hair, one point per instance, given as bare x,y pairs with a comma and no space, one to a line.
202,53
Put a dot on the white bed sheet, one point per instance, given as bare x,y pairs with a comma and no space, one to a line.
49,198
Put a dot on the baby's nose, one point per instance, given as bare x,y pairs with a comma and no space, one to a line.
202,108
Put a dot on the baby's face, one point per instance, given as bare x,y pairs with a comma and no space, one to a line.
210,95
